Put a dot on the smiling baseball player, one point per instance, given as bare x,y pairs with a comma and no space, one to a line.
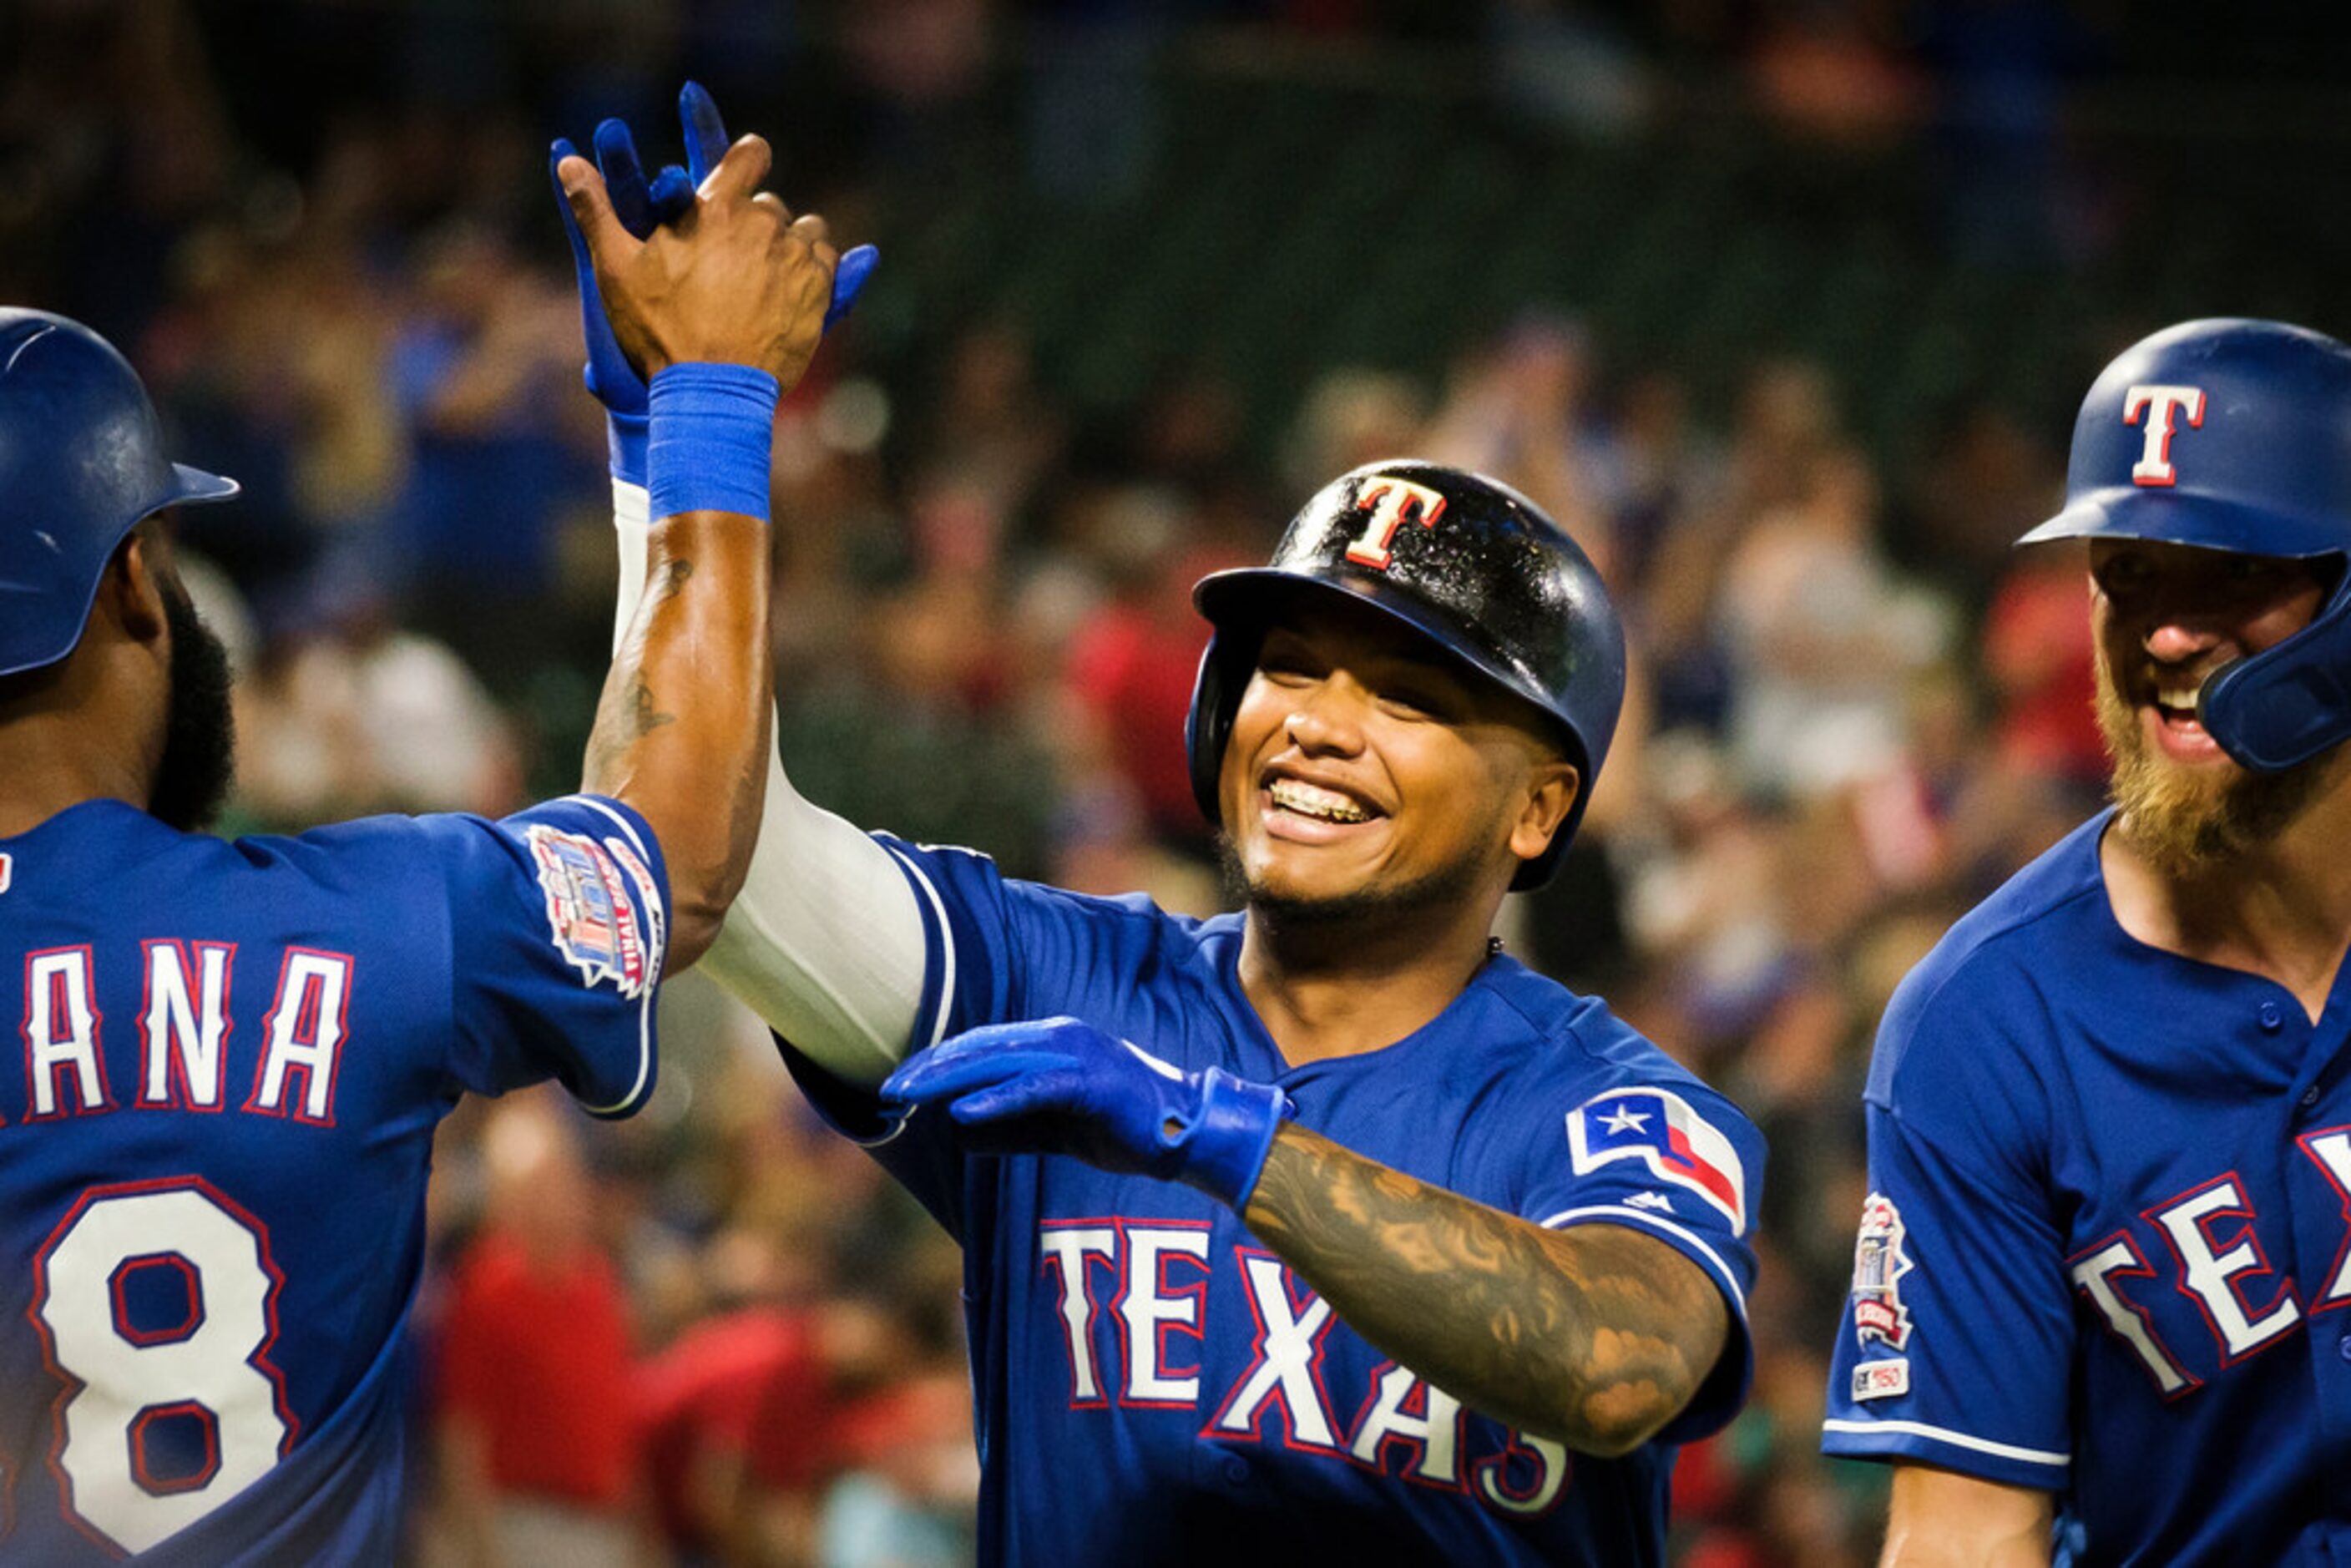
2097,1310
1324,1230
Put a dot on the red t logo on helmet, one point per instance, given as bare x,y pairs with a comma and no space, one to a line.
1387,499
2161,404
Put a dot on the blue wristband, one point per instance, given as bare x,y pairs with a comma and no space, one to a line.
1225,1147
713,428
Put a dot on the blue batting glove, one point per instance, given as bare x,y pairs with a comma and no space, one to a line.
857,265
706,143
642,205
609,375
705,133
1061,1087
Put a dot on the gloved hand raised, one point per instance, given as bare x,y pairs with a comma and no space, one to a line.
744,281
641,207
1060,1086
672,190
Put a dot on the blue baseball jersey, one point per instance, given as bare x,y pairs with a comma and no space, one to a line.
2107,1241
1153,1384
231,1059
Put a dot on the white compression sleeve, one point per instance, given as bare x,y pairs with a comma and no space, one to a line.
825,941
631,503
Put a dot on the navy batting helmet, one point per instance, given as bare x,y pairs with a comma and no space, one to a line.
81,462
1467,562
2232,435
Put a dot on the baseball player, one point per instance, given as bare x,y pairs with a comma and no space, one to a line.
1325,1231
230,1058
2096,1299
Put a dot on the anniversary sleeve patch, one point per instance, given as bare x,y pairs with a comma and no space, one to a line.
1878,1264
603,914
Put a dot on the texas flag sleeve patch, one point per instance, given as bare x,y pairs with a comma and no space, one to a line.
1668,1138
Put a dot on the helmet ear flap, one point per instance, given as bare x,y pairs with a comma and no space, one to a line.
1224,668
2286,704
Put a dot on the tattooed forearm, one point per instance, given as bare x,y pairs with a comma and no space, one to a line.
627,716
629,711
749,794
682,732
1596,1335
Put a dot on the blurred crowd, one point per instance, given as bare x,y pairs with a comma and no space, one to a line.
716,1334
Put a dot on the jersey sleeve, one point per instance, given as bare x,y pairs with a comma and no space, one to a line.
1007,949
559,927
1679,1163
955,892
1957,1339
998,949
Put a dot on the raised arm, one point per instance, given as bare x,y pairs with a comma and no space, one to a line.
823,941
1596,1335
719,313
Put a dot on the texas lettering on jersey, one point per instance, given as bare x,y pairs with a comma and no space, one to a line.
2194,1257
2204,1245
1131,1293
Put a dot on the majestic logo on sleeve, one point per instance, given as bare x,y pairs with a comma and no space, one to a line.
595,917
1660,1129
1879,1265
2160,407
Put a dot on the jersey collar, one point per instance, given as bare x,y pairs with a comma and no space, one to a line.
86,841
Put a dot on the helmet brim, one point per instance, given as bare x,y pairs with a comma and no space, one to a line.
41,642
1248,599
2189,517
196,486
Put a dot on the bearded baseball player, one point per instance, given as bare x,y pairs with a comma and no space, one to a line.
1325,1231
231,1057
2096,1312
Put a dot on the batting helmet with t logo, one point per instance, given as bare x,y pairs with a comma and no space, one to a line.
81,462
2232,435
1468,563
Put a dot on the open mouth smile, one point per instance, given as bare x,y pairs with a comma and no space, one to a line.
1301,799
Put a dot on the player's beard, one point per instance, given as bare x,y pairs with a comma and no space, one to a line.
199,761
2184,820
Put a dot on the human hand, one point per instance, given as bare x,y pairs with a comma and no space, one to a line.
738,279
609,376
642,205
1061,1086
672,190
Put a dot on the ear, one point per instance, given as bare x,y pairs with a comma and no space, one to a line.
131,590
1552,793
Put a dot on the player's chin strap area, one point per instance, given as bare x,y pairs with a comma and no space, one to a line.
2283,705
